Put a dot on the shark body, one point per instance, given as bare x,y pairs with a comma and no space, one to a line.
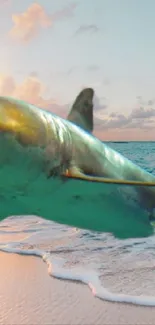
40,151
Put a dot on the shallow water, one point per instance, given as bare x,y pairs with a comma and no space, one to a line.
98,259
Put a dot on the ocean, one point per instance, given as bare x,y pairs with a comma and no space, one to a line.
114,269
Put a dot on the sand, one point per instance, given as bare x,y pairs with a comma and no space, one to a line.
28,295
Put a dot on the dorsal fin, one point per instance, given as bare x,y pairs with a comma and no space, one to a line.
81,112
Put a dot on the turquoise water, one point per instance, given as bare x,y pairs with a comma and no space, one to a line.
100,258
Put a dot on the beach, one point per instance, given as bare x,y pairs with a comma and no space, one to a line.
28,295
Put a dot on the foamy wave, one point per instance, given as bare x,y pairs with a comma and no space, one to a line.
57,269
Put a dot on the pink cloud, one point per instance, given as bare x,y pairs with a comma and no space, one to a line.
31,90
26,25
7,85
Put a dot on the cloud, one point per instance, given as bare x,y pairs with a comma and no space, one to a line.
117,121
142,113
71,70
106,82
90,68
150,102
31,90
66,12
87,29
26,25
5,2
116,126
93,67
7,85
34,74
138,125
99,103
145,103
139,118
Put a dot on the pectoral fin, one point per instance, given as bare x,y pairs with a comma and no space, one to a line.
76,173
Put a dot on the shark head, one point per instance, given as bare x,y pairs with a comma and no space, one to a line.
18,120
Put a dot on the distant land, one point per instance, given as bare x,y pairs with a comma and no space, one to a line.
130,141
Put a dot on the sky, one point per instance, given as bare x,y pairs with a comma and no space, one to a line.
51,49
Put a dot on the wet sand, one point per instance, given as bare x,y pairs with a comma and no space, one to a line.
28,295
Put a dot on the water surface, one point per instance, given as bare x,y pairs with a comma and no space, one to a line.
122,266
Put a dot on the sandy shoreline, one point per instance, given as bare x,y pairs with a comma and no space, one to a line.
28,295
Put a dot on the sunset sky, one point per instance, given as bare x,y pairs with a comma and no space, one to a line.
51,49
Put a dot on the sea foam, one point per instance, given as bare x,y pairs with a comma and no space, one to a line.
58,266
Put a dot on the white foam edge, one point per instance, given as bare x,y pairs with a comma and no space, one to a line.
57,270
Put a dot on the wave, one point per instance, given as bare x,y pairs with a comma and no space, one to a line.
48,241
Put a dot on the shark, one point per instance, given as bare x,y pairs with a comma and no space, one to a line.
57,169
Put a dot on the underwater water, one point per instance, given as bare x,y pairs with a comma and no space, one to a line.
115,269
